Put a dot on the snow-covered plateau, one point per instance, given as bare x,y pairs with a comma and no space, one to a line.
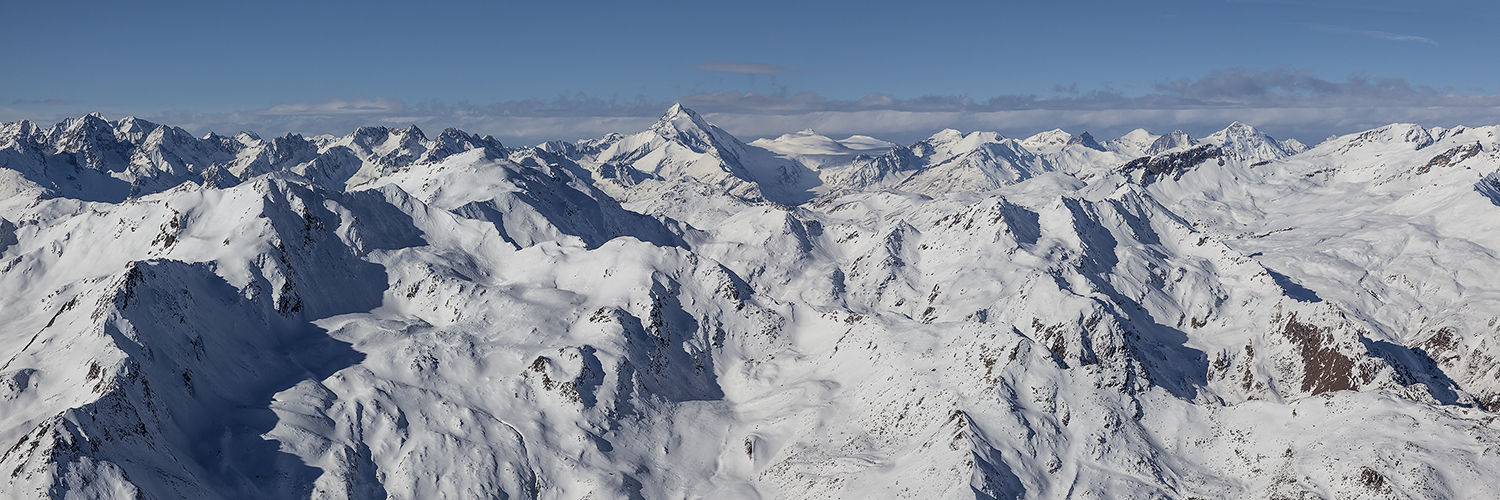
675,313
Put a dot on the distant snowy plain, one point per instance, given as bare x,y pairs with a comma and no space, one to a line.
675,313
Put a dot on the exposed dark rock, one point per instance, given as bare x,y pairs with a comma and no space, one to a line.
1174,164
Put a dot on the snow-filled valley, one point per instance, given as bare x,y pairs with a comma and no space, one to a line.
675,313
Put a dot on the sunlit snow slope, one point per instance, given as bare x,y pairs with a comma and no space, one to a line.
678,314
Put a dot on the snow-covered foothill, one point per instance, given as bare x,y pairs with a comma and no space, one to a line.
675,313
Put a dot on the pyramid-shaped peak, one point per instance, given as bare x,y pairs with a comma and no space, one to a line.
413,131
678,109
1085,140
684,126
681,118
92,124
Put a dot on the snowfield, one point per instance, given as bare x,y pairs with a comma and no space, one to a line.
675,313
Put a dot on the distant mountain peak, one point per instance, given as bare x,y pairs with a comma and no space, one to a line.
1085,140
1176,139
1047,142
680,120
1246,143
946,135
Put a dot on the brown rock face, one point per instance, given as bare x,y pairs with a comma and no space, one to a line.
1324,368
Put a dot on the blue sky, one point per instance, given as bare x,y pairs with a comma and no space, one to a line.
900,70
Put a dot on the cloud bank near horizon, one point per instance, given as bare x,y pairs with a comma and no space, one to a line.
1284,103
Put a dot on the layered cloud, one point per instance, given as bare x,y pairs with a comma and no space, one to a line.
1285,103
1326,28
43,102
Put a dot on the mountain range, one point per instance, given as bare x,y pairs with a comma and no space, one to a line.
676,313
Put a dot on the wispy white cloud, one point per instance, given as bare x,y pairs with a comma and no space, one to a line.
43,102
1395,37
742,68
359,106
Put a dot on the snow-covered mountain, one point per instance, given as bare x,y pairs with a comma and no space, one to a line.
1246,144
1134,144
683,147
97,160
1172,141
949,161
674,313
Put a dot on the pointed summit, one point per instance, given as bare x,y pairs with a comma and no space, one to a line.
414,132
1085,140
681,117
1244,142
686,127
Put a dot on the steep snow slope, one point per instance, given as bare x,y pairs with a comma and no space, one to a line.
1368,222
683,147
656,316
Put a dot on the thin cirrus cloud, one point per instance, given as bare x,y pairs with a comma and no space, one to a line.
44,102
744,68
1382,35
1282,102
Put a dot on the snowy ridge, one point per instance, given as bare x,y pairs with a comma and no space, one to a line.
675,313
98,160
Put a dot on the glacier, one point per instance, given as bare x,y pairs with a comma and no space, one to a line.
675,313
